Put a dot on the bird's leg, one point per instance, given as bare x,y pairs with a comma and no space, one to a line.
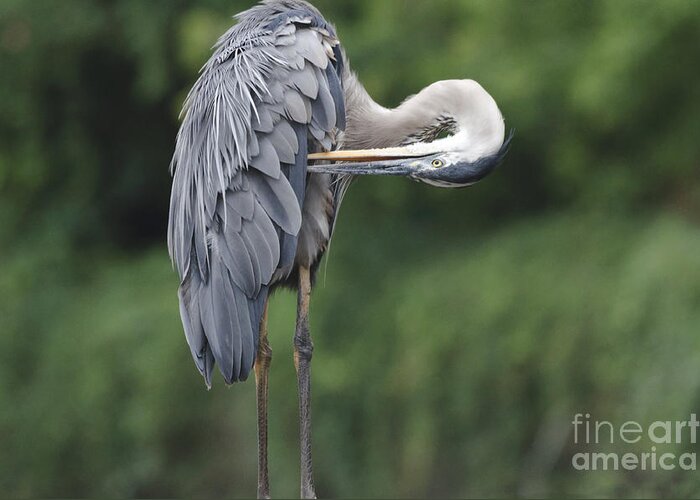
303,348
262,367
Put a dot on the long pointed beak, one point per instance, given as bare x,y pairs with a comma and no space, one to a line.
358,155
372,166
385,161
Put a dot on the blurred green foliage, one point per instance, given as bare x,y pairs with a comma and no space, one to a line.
457,332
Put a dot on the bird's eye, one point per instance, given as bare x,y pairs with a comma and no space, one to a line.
437,163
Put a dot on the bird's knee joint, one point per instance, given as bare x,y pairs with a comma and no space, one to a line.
264,352
304,348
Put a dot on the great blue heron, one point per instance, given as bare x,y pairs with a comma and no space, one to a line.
247,212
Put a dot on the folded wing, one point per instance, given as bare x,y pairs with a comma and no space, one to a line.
270,90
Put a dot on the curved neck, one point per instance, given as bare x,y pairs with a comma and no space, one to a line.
461,107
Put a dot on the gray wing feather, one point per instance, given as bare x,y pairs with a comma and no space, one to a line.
215,318
309,46
285,149
297,172
317,132
232,251
252,251
279,201
323,107
261,237
267,161
286,131
336,90
296,106
194,332
292,57
239,173
200,253
262,121
305,80
297,179
248,338
241,202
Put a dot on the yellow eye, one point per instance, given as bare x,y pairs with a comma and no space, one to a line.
437,163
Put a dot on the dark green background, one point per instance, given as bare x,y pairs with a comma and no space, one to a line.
456,332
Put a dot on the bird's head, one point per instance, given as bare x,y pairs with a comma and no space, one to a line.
474,149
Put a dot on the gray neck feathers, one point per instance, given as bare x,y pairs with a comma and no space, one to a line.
370,125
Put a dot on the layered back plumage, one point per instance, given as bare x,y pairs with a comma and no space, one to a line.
270,92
